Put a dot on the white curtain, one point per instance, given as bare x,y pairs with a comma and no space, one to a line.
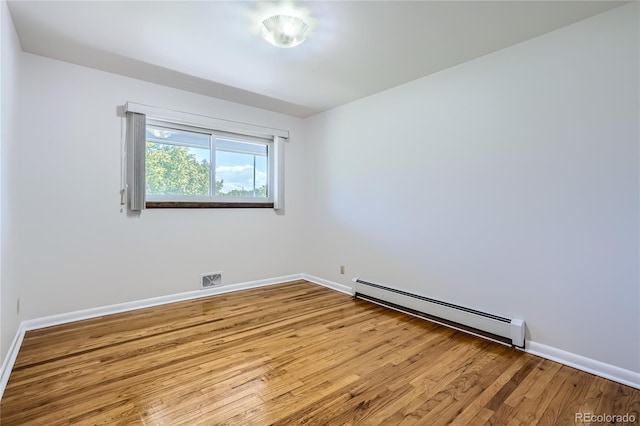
278,175
136,141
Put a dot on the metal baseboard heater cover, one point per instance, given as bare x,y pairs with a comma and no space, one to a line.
509,331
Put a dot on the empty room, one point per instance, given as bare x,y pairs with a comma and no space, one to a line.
320,212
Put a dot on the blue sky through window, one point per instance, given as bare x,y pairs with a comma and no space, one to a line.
242,165
236,169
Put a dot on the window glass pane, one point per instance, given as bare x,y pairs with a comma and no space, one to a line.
241,147
241,169
177,163
169,136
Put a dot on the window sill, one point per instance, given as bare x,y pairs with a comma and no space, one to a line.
205,205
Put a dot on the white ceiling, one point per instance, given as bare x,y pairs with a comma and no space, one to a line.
211,47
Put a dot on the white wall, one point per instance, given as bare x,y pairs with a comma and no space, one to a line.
9,143
508,183
76,248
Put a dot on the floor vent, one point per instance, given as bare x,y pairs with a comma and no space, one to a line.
508,331
210,280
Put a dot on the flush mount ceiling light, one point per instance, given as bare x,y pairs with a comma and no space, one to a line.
284,30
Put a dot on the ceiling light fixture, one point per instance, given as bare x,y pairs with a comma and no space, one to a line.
284,30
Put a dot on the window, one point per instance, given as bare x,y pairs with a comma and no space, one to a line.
186,164
177,159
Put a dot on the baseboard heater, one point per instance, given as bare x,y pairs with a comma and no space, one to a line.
508,331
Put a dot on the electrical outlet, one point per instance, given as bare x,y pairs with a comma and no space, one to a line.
341,269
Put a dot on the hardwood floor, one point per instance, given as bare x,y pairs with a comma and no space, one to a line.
292,353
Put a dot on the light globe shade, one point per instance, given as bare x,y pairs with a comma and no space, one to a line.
284,30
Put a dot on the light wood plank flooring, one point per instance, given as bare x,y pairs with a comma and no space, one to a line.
289,354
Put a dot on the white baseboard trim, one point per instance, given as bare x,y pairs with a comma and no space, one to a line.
52,320
10,359
346,289
599,368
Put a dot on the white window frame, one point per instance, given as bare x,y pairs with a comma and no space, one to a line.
213,137
225,128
